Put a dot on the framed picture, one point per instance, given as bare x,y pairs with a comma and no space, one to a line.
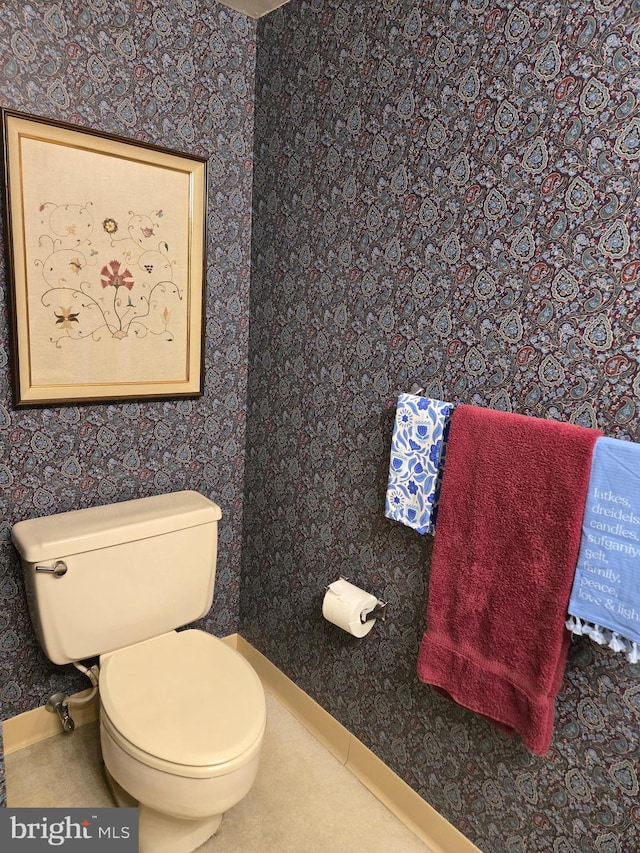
106,249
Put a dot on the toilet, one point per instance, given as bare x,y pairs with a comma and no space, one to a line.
182,715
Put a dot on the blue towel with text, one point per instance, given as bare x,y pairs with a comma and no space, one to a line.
417,457
605,598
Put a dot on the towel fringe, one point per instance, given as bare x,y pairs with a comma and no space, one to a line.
603,636
574,625
597,635
616,643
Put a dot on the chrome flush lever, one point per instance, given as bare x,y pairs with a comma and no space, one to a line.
58,569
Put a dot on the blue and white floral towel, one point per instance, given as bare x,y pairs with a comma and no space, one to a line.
605,599
417,456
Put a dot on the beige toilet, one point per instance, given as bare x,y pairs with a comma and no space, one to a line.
182,715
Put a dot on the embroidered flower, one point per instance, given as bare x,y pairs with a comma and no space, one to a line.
110,226
66,318
111,276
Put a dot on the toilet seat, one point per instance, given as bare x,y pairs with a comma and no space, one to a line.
184,702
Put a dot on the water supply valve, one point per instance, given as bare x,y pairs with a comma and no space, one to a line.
57,704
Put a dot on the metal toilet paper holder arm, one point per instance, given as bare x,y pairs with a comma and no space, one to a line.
378,612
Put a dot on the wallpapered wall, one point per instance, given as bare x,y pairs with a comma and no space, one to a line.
178,75
447,193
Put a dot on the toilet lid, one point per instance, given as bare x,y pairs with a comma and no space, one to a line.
186,698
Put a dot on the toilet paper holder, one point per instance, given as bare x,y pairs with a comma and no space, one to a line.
378,612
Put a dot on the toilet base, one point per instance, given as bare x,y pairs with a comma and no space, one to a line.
161,833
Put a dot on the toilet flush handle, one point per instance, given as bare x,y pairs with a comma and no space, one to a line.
58,569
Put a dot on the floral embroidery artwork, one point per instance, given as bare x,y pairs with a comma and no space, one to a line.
108,266
130,294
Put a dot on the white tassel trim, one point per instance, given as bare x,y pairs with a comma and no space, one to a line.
616,643
596,634
603,636
574,625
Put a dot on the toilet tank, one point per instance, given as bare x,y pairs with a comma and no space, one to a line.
134,570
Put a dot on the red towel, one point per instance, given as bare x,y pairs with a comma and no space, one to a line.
504,557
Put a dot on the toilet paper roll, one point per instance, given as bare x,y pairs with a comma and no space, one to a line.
345,603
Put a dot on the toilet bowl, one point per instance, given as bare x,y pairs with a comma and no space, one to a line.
182,715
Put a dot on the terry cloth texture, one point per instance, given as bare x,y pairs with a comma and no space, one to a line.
606,588
417,456
504,557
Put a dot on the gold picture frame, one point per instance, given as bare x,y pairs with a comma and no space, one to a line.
106,242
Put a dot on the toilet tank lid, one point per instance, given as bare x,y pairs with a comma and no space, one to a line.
77,531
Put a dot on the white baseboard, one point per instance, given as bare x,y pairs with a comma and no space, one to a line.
39,724
408,806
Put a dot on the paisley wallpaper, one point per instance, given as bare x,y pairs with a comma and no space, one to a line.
445,193
179,75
